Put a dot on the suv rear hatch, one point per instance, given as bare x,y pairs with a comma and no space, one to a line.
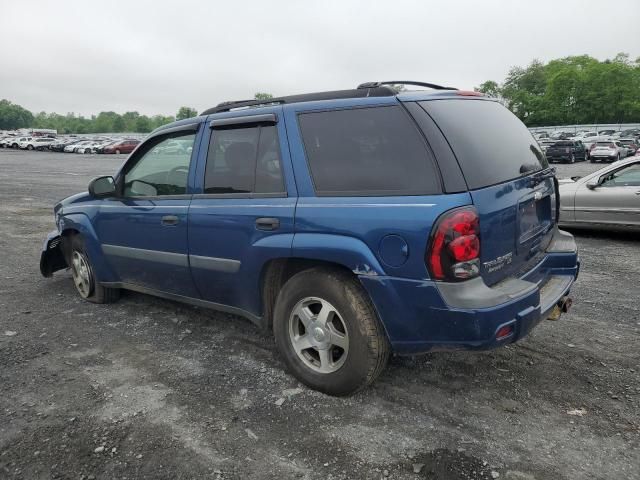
508,177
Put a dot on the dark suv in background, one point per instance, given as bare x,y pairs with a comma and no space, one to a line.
352,224
567,151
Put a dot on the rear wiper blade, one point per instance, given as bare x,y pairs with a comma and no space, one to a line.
541,176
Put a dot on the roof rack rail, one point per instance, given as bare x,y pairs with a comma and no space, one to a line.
374,91
404,82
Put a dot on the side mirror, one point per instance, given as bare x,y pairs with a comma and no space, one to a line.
592,184
102,187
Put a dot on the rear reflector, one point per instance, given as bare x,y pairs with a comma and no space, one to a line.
504,332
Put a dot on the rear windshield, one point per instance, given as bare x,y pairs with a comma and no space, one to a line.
605,144
563,144
491,144
367,151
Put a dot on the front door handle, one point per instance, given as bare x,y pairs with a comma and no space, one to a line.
169,220
267,223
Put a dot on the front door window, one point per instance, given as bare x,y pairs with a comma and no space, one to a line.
161,168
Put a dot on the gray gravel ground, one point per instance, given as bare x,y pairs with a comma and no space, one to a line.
147,388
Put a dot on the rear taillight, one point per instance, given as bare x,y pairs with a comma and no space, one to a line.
454,249
593,145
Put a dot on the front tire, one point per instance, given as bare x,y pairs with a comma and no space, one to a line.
29,147
117,152
84,278
328,333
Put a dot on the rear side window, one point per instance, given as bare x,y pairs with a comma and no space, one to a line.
492,145
367,151
244,160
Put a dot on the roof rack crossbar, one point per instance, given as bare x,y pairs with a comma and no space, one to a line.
404,82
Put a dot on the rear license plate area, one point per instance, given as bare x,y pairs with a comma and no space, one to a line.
534,219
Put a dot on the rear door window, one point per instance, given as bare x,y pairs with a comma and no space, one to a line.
243,161
373,151
491,144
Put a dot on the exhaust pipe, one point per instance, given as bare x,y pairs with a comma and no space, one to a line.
563,306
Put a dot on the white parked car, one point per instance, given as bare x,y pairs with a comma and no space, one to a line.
72,148
37,143
585,136
607,151
546,143
101,143
589,142
91,145
17,141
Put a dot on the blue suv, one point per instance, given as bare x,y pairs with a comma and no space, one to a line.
352,224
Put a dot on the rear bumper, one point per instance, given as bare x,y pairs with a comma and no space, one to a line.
559,157
422,316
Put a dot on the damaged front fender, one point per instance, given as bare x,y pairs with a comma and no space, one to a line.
52,257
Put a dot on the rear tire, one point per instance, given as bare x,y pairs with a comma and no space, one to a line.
29,147
117,152
328,333
572,159
83,273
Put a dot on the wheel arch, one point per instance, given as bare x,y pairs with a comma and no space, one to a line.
79,224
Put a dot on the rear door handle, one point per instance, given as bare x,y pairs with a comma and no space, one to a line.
267,223
169,220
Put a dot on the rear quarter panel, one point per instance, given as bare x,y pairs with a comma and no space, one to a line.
367,219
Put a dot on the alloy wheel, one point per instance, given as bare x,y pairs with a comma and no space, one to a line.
81,272
318,335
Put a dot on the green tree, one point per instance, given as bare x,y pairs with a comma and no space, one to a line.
13,116
186,112
143,125
263,96
572,90
490,88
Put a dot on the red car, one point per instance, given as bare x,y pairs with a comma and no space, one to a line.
123,146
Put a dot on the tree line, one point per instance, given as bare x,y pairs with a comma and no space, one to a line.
572,90
14,116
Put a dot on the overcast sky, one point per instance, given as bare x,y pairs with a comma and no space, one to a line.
154,56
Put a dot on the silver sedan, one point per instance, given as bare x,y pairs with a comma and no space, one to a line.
608,198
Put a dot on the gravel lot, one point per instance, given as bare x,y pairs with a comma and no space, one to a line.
147,388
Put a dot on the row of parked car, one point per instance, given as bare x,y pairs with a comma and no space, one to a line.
71,144
604,145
